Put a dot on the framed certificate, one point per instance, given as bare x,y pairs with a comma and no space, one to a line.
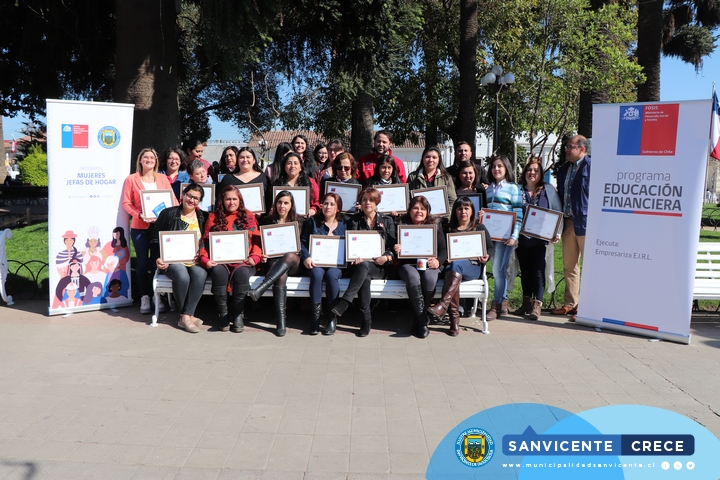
327,250
277,240
179,246
437,197
466,245
301,195
253,195
499,223
417,241
394,198
208,201
348,193
228,247
541,223
476,199
155,201
363,244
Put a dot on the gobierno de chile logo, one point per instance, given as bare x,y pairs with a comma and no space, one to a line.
474,447
109,137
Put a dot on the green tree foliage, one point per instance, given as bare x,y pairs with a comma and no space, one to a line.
33,168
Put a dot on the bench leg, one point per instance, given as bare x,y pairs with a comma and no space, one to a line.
157,310
482,315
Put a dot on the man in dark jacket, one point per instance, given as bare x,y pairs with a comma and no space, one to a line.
573,189
464,153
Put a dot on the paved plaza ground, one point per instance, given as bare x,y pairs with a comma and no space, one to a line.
103,395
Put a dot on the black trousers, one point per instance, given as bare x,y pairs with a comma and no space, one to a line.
532,268
360,280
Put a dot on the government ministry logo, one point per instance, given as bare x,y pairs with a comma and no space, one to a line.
109,137
474,447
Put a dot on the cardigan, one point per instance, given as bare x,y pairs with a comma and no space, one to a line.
131,201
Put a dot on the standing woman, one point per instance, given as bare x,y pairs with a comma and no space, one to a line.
385,172
300,146
503,194
145,178
420,284
194,149
293,175
278,269
365,270
228,163
462,219
531,251
246,171
173,165
328,221
431,173
272,171
468,182
230,215
344,170
321,161
188,279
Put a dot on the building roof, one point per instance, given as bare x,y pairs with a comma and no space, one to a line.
275,137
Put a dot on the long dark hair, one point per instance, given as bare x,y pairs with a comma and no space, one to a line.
441,167
462,166
462,201
320,216
256,167
509,174
280,151
121,238
541,172
241,221
307,158
429,219
303,179
292,214
385,160
223,165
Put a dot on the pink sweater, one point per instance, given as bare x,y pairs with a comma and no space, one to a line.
131,201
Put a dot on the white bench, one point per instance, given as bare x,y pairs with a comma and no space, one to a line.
707,272
387,289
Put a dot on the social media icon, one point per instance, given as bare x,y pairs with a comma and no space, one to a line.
690,465
665,465
677,465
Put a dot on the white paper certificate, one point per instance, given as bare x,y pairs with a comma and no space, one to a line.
500,224
541,223
327,250
253,196
348,193
417,241
301,196
466,245
208,201
179,247
437,197
394,198
228,247
277,240
155,201
363,244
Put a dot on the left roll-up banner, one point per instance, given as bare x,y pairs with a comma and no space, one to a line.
89,147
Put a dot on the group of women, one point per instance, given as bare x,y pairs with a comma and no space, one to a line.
295,165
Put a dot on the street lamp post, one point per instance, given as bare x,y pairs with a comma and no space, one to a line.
496,80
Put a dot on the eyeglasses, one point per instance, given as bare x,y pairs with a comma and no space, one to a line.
193,199
570,147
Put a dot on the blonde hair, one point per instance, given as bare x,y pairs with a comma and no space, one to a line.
138,164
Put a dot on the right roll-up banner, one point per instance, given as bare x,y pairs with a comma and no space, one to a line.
644,213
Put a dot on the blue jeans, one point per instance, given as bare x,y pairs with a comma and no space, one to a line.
145,259
187,286
500,262
467,269
331,276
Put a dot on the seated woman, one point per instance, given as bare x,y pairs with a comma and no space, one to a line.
278,269
246,171
344,170
188,279
230,215
293,175
365,270
420,284
463,219
328,221
173,165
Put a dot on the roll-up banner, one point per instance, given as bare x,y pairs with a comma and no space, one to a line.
646,190
89,148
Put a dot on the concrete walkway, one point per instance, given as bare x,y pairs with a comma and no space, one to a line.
102,395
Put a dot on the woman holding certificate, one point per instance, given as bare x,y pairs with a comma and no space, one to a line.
421,275
385,172
468,182
531,250
328,221
292,175
463,221
247,171
431,173
370,264
344,169
173,166
230,215
278,269
188,279
146,177
505,195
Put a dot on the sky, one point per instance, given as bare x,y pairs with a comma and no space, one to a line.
678,81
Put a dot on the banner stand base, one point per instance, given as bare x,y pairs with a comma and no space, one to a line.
671,337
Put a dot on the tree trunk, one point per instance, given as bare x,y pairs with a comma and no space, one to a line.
146,69
465,125
361,142
650,25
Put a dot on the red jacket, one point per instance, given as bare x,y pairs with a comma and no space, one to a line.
255,250
132,202
366,167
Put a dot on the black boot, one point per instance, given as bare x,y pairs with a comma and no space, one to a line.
279,269
339,306
331,323
236,310
220,295
316,310
366,322
417,304
280,297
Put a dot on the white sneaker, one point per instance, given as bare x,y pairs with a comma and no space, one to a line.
145,307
